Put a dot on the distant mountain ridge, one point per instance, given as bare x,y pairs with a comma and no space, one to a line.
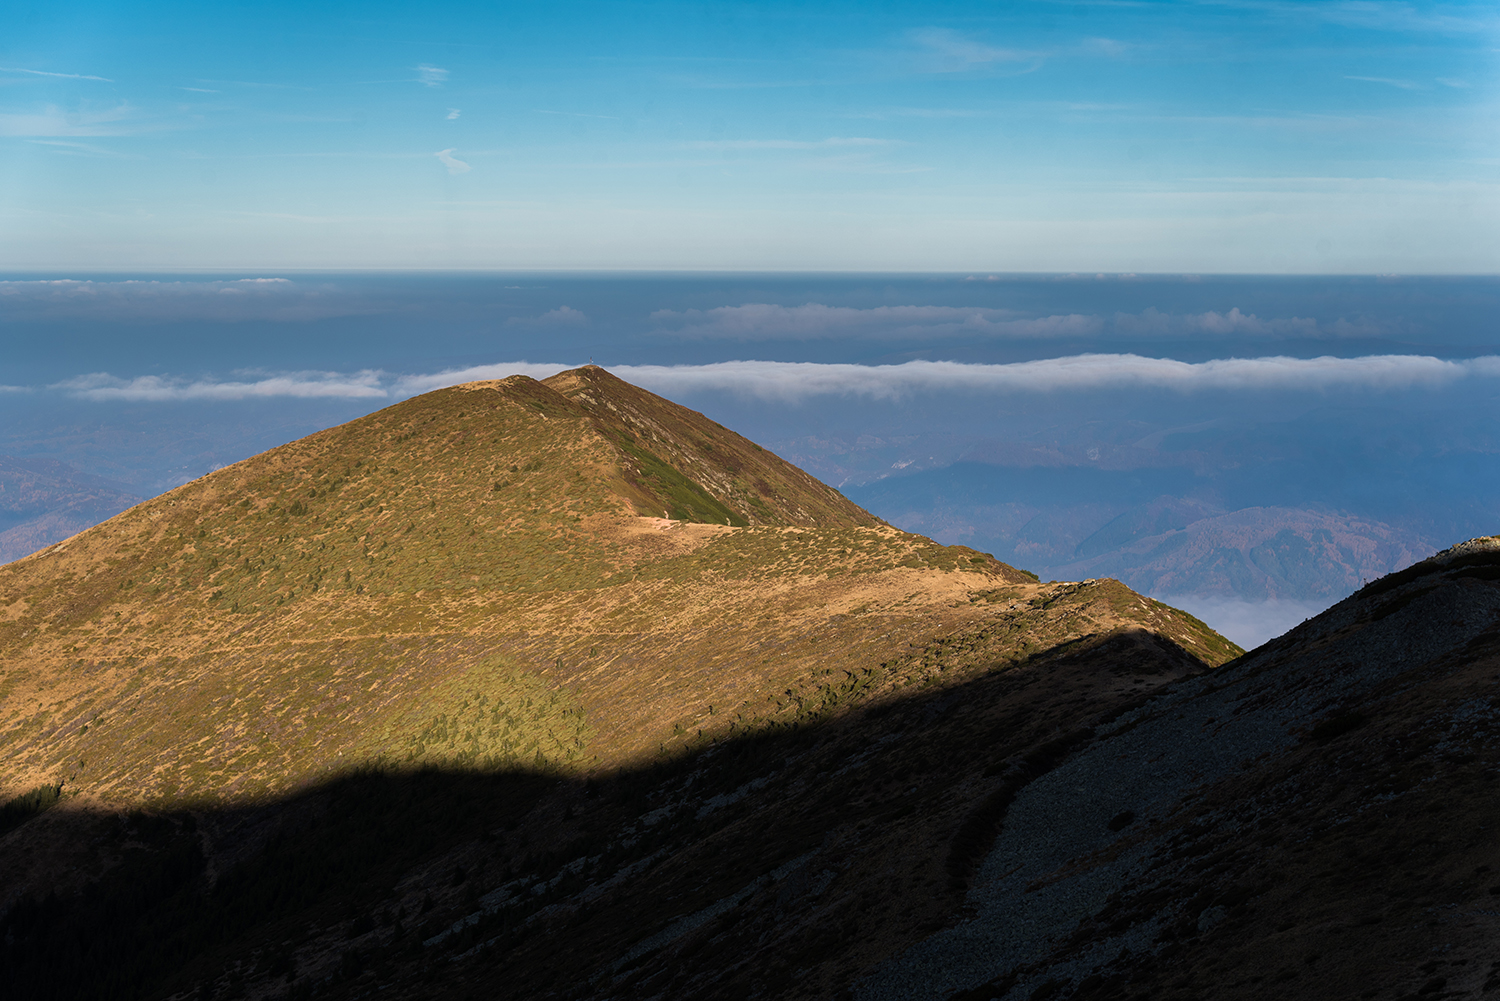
43,501
1160,545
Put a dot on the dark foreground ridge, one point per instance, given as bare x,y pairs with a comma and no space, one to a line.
1315,819
786,862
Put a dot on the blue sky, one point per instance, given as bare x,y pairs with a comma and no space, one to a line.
1267,137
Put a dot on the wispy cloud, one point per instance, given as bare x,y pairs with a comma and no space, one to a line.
1448,81
1388,81
574,114
65,76
431,76
453,114
54,122
454,165
70,148
562,316
254,83
201,90
1234,322
942,50
1110,47
833,142
1379,15
921,113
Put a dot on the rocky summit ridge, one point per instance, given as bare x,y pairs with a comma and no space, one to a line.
557,689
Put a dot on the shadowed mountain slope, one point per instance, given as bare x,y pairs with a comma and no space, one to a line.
1099,819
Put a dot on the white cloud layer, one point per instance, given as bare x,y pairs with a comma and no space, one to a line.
101,386
793,382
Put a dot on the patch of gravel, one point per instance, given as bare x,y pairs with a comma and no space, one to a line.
1056,861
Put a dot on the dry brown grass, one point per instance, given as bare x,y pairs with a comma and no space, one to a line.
247,634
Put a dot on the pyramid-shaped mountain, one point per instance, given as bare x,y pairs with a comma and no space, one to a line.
498,649
624,565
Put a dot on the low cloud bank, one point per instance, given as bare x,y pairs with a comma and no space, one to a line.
140,300
1153,322
283,299
811,321
766,321
790,382
102,386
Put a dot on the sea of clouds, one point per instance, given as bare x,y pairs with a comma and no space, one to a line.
799,381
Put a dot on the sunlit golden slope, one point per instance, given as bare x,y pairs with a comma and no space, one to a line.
573,574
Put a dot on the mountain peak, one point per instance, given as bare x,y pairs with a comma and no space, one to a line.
756,486
556,607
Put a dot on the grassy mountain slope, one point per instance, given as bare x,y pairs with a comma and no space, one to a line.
753,485
354,689
275,622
